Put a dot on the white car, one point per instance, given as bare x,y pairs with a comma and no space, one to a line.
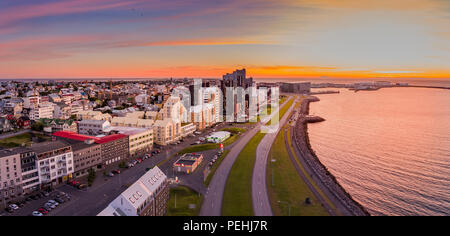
53,202
36,213
48,204
14,206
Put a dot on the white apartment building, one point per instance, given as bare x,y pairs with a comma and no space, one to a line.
187,129
94,127
166,131
146,197
43,110
54,162
132,122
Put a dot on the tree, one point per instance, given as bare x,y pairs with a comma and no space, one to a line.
37,126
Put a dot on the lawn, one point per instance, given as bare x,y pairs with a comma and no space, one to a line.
183,197
287,186
215,166
16,141
209,146
237,198
234,130
282,111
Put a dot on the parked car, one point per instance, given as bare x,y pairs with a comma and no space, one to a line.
115,172
42,211
9,209
36,213
59,200
47,208
14,207
49,205
53,202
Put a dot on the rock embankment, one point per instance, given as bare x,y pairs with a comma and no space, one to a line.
301,139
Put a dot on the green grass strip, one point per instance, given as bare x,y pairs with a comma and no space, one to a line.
237,199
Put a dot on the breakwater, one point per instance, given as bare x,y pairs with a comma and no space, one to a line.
301,139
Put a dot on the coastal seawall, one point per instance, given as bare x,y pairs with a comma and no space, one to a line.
301,139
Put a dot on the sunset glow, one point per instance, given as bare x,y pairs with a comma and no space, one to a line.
272,39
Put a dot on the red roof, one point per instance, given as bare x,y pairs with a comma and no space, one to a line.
72,135
110,138
80,137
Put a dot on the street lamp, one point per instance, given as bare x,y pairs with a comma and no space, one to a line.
289,206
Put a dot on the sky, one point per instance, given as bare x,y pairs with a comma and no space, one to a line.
206,39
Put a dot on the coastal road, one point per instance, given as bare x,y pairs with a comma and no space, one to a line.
212,203
260,197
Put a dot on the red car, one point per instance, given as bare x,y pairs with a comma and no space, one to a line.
73,182
116,171
43,211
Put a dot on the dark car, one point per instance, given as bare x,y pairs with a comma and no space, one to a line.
9,209
116,171
59,200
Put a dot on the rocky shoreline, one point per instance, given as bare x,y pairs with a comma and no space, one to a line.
302,141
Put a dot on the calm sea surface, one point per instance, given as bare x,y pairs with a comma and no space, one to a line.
390,149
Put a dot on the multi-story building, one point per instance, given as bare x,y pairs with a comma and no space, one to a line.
132,122
94,127
92,115
30,102
146,197
187,129
140,140
10,174
86,155
43,110
54,162
30,173
237,96
114,147
301,88
166,131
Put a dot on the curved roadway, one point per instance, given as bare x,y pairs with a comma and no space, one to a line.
212,202
260,197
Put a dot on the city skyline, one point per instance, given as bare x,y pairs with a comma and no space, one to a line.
271,39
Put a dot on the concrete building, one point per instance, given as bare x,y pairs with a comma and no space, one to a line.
146,197
43,110
132,122
94,127
92,115
30,173
166,131
140,140
301,88
114,148
237,96
54,162
10,174
86,155
187,129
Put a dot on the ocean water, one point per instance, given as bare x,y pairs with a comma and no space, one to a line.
390,149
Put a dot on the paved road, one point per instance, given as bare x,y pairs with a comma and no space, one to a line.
212,203
260,197
12,134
